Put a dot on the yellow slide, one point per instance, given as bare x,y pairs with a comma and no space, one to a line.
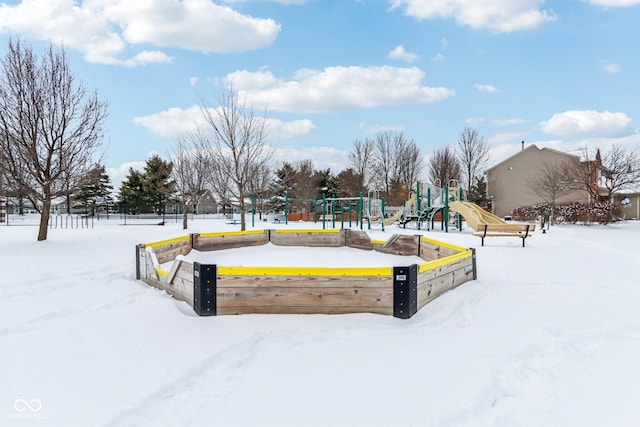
398,214
474,214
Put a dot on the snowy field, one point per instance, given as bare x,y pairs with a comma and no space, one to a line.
549,335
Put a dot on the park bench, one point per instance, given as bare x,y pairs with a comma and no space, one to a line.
505,230
233,221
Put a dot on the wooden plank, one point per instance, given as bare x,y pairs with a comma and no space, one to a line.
230,241
314,309
359,240
175,264
169,252
185,272
403,245
431,252
304,297
182,283
444,269
305,281
434,287
181,292
507,228
310,238
150,267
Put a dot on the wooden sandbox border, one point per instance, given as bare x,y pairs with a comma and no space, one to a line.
216,290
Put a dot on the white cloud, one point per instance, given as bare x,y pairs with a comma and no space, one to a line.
174,122
117,175
285,2
399,52
104,30
322,157
337,88
499,16
614,3
508,122
193,81
473,121
444,43
439,57
486,88
284,130
612,68
147,57
587,122
372,129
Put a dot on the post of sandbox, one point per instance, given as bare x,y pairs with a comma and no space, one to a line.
405,291
138,275
205,289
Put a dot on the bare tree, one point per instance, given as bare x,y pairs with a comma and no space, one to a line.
305,186
189,173
620,169
553,181
50,126
395,163
234,138
473,153
444,166
410,162
259,186
586,172
607,174
361,160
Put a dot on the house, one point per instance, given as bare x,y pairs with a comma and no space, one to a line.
628,202
509,183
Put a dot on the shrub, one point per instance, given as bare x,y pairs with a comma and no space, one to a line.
571,212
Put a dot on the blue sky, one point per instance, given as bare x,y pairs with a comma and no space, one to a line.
562,74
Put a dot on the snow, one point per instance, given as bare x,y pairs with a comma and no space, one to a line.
298,256
548,335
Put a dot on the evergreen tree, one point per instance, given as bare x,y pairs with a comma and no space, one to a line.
132,195
349,183
478,192
283,186
157,183
326,182
93,191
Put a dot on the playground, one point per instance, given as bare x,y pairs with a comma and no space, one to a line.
428,206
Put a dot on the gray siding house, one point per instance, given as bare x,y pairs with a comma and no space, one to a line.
509,182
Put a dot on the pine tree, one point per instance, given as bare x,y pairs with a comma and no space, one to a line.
157,184
283,186
94,191
478,192
132,197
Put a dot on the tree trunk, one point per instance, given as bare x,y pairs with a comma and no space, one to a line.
243,224
184,216
44,219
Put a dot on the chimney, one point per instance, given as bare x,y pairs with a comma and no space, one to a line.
522,145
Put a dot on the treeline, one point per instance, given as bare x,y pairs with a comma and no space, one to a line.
386,166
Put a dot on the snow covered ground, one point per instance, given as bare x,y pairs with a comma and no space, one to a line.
549,335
